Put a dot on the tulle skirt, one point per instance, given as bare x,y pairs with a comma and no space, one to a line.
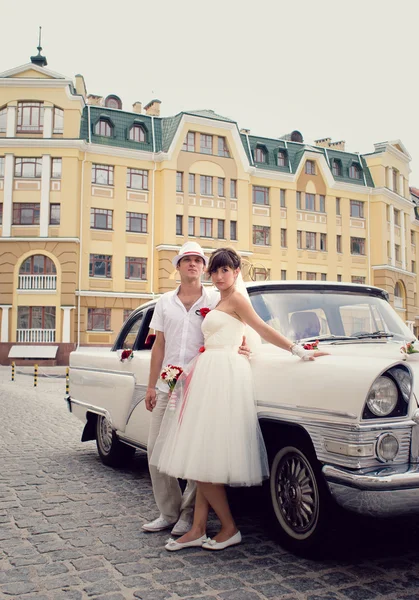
210,431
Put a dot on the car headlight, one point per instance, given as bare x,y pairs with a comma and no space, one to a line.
404,379
387,447
383,397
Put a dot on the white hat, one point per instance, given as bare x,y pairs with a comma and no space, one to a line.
190,249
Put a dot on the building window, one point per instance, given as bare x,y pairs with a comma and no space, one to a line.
310,276
413,266
30,117
260,155
189,143
1,213
99,319
339,244
298,200
206,227
323,242
261,274
283,275
191,184
299,275
136,222
233,230
397,252
3,120
282,202
261,235
102,174
137,134
358,246
283,238
322,204
25,213
206,185
395,180
28,167
137,179
337,168
299,240
206,144
310,240
1,167
222,147
179,225
127,313
355,171
412,238
101,218
104,128
357,209
54,214
36,317
339,277
338,206
281,159
260,195
58,123
221,186
310,202
100,265
397,217
56,168
310,167
179,181
357,279
233,188
191,226
38,264
135,268
221,229
323,276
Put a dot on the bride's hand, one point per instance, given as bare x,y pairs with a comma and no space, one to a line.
304,354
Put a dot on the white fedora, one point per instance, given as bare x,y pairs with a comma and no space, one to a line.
190,249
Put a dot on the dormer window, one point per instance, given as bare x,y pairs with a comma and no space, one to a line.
260,154
30,117
137,133
3,120
355,171
104,128
113,102
58,126
337,168
282,160
310,167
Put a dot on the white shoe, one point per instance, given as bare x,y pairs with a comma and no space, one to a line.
172,545
210,544
159,524
182,526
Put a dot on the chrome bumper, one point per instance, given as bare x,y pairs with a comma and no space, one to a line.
383,492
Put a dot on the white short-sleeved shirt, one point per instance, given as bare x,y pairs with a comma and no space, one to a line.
181,328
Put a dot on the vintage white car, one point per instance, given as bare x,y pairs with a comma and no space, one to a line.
342,429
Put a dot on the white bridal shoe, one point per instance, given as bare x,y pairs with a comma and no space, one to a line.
210,544
172,545
159,524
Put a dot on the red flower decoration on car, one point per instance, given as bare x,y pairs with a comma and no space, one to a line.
202,312
126,355
311,346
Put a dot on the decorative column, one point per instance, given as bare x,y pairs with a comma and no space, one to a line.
48,121
392,248
45,187
66,323
11,121
8,195
401,185
5,322
389,174
403,239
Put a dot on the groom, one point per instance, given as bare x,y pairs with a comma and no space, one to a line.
177,322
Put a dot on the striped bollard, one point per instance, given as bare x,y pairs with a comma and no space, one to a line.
35,375
67,381
13,370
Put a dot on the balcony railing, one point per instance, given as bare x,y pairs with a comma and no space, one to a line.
37,282
31,336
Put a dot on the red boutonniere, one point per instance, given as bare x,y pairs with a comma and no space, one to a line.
126,355
311,346
202,312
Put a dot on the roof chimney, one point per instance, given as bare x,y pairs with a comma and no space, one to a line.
323,143
337,145
137,107
80,85
95,100
153,108
245,131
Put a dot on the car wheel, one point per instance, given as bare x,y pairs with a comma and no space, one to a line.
299,499
112,451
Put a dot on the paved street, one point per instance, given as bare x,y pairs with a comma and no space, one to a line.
70,528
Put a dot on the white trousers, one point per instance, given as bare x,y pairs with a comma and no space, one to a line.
167,493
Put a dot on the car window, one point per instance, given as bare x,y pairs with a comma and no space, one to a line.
361,318
132,332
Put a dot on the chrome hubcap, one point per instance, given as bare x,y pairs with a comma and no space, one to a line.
297,493
105,435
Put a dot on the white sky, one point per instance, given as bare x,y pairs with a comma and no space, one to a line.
329,68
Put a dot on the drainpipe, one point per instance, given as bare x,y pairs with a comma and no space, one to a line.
152,208
288,157
81,230
250,152
368,224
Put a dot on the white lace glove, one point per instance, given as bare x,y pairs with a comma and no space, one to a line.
301,352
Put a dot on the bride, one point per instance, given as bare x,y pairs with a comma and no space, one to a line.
213,435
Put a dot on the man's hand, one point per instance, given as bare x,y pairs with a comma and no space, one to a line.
244,348
150,399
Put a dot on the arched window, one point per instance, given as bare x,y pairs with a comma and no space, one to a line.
355,171
113,102
399,295
103,127
281,158
337,168
260,154
137,133
38,264
3,119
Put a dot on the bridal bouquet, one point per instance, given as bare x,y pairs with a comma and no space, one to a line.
170,375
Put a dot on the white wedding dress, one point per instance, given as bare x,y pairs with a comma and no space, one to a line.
213,434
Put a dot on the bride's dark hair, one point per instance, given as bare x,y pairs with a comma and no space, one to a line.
223,257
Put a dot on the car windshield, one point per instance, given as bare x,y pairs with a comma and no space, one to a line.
329,315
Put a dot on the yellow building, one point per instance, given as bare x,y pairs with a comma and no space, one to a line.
95,200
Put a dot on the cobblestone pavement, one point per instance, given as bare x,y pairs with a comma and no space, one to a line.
70,528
